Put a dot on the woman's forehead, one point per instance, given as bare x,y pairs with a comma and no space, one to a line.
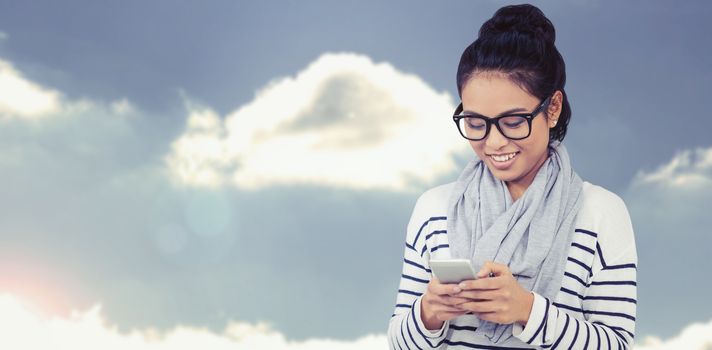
492,94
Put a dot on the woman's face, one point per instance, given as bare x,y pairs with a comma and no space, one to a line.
491,94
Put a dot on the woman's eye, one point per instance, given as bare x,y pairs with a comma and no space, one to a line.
512,122
476,126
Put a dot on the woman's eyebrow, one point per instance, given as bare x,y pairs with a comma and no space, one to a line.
519,109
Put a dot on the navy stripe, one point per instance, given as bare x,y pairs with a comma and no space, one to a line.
600,255
479,346
546,321
598,336
409,246
610,346
561,336
398,342
421,332
414,279
576,278
403,305
590,233
439,246
588,335
463,328
410,334
617,283
573,341
621,266
402,335
417,265
405,341
435,218
606,313
616,330
574,244
568,307
435,233
405,291
594,297
595,312
541,325
569,291
582,265
611,267
422,251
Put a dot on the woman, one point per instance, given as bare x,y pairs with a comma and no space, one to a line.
555,255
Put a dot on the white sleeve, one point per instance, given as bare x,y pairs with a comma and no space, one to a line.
406,329
609,303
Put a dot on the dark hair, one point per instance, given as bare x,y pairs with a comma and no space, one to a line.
519,41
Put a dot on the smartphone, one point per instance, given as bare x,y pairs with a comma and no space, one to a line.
452,270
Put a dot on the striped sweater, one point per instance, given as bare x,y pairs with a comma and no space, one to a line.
594,309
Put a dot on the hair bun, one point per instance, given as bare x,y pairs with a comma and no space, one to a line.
524,18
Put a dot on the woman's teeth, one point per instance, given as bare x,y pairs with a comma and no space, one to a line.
503,158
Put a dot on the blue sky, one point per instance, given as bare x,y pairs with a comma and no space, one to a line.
185,163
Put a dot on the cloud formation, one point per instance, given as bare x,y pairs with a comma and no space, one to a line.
343,121
20,97
689,169
26,100
26,328
696,336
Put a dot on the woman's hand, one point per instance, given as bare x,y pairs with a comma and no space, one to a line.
437,305
499,299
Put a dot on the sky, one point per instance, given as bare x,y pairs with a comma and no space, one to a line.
241,174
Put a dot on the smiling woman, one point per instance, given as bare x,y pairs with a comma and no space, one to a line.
555,255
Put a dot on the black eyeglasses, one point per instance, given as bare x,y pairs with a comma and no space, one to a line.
515,126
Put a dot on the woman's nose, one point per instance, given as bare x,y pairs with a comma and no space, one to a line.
495,139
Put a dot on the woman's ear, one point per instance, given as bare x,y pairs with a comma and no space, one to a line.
554,108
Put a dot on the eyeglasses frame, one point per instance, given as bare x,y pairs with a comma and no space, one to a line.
489,121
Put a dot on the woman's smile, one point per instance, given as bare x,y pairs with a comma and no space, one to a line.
502,162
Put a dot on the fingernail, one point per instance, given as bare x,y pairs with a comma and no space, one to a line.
457,289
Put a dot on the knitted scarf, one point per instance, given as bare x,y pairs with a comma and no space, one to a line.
531,235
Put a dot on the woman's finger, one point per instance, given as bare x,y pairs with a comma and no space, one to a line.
480,295
441,308
435,287
482,283
481,306
492,268
451,300
446,299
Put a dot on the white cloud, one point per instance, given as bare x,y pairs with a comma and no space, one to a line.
122,107
25,328
342,121
3,36
678,191
20,97
689,169
24,99
697,336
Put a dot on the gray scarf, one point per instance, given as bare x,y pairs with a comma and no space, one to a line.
532,235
